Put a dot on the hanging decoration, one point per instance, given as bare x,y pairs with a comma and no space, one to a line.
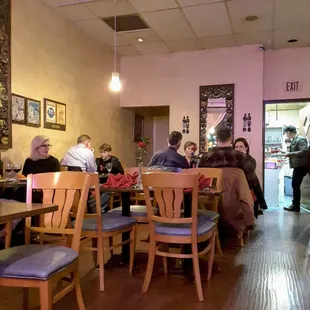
185,125
247,122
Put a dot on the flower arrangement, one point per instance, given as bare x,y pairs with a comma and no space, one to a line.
141,149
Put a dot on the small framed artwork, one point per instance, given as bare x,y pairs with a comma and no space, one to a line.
138,128
54,115
18,109
33,112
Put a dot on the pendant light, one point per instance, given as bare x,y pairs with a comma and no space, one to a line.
115,84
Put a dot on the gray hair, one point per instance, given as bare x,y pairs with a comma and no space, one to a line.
35,144
83,138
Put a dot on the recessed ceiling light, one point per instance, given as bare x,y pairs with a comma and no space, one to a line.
251,18
292,41
140,40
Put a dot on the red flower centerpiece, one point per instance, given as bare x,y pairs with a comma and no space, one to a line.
141,149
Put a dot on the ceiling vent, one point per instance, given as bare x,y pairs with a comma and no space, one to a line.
126,23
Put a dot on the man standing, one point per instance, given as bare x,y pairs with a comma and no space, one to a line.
169,157
298,156
81,157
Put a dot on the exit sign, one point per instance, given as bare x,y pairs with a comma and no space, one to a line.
292,86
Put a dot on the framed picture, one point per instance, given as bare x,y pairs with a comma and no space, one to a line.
33,112
18,109
138,128
54,115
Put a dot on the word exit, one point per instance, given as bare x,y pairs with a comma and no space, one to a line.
292,86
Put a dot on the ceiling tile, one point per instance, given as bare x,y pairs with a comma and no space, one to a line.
65,2
196,2
170,25
218,41
107,8
151,5
185,45
148,36
76,12
209,19
127,51
99,30
264,37
152,48
282,36
292,13
240,9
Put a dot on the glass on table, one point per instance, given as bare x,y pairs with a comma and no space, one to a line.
8,168
16,169
109,167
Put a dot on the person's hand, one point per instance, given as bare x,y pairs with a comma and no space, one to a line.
287,155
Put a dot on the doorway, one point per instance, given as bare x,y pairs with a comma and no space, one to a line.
277,173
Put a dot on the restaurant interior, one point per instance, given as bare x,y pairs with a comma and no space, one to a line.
116,121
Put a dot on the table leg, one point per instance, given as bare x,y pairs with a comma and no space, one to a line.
126,235
8,234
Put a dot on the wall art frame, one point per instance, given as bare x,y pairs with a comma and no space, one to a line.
18,113
138,128
33,112
206,93
55,115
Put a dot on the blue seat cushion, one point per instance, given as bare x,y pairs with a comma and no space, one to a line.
182,230
35,261
110,222
210,215
135,210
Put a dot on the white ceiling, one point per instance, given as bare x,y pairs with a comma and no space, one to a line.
186,25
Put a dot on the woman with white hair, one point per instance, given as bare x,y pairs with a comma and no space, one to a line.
39,160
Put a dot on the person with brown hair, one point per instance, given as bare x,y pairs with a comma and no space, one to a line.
190,148
107,159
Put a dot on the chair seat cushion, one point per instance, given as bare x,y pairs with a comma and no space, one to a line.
210,215
110,222
182,230
35,261
136,210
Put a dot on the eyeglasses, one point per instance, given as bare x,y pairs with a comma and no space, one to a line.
45,145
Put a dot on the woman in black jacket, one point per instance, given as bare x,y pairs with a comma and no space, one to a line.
242,146
105,159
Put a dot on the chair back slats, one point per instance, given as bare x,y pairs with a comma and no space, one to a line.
169,194
60,188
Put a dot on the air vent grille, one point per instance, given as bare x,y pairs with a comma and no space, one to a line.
126,23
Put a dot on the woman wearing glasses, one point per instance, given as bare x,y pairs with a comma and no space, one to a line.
39,160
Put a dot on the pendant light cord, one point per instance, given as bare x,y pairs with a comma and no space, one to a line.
115,37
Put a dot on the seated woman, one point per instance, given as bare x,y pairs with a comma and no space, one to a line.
107,159
242,146
39,161
190,148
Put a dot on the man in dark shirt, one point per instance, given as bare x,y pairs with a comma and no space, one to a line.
169,157
225,156
298,161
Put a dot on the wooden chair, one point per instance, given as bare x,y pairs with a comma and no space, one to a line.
99,227
210,204
169,227
41,265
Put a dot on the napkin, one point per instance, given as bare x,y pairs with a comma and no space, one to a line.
120,181
204,182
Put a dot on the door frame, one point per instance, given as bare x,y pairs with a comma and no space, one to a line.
265,102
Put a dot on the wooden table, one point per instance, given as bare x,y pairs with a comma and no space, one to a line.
12,184
13,210
126,202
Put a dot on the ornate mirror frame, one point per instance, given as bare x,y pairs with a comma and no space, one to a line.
226,91
5,75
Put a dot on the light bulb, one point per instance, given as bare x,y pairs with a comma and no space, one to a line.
115,84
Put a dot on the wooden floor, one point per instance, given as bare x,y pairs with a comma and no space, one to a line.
269,273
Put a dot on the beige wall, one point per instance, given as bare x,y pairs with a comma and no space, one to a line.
52,58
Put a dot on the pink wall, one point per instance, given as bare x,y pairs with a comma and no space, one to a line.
174,80
283,66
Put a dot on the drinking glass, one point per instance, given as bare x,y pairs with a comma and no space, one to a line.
109,167
16,169
8,169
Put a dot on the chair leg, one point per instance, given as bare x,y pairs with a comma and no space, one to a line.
218,242
211,255
100,255
150,265
132,248
94,243
197,271
8,234
46,299
111,246
165,247
25,298
77,287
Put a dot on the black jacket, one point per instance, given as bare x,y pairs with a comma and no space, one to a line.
298,154
116,166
